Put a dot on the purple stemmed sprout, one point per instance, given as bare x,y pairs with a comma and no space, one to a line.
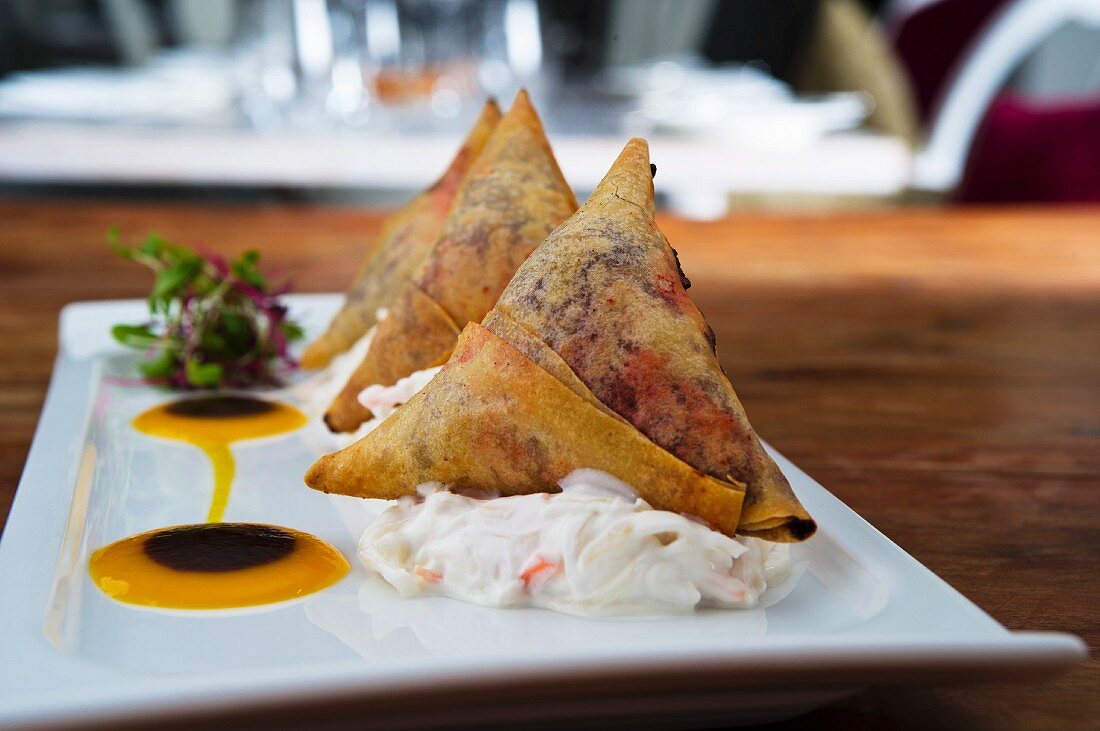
216,323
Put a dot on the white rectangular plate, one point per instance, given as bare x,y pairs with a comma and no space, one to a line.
864,612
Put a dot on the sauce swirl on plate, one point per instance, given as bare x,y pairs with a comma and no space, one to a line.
212,423
216,565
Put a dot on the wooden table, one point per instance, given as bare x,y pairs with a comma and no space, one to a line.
937,370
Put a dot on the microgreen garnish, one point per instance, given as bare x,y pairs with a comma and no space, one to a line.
214,323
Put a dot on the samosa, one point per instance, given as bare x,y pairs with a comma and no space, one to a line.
512,197
600,310
493,420
606,294
398,250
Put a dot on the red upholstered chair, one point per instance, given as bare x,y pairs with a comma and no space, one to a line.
1030,151
984,145
932,40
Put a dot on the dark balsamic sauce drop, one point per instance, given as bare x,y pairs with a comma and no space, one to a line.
219,407
218,547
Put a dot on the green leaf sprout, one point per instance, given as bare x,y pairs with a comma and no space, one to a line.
215,323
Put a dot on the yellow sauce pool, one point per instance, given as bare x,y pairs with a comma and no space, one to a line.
216,566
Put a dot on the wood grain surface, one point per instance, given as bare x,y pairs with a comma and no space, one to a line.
939,371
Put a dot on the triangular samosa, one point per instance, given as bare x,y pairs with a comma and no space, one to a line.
493,420
512,197
594,356
398,250
605,296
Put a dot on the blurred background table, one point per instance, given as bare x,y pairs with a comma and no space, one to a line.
748,104
698,176
935,369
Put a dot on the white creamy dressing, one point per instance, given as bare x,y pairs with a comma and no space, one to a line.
384,400
318,391
593,549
